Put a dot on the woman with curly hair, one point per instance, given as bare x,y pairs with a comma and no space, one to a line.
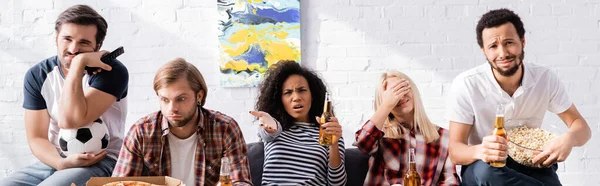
399,124
289,102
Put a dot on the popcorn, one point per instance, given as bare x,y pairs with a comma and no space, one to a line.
532,138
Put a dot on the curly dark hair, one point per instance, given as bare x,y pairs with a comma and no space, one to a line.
270,92
496,18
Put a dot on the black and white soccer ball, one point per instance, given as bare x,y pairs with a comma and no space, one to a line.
89,139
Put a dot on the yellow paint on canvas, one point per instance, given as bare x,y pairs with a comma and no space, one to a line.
246,37
280,34
276,51
273,51
241,65
256,67
237,65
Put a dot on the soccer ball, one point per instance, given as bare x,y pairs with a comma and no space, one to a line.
89,139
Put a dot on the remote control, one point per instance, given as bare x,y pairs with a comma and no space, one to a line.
107,59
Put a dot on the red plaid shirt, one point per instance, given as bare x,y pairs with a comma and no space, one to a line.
388,162
145,150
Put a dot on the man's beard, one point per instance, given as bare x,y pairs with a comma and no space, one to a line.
513,70
187,118
67,64
64,62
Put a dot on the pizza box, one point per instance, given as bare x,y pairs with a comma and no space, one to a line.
158,180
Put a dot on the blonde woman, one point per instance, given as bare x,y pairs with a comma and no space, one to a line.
400,123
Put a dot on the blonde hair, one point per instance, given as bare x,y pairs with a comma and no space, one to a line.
422,123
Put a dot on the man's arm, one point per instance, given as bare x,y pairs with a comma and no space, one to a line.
461,115
235,149
79,108
560,148
492,147
130,161
36,129
579,130
460,152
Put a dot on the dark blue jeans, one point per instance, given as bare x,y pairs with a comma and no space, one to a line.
42,174
514,174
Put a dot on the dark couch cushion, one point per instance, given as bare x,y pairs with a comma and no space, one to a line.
256,155
357,164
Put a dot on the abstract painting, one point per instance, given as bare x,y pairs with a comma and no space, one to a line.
253,35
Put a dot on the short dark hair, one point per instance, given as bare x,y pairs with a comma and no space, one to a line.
271,90
179,68
496,18
83,15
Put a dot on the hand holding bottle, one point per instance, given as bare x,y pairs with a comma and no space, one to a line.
496,148
493,148
331,127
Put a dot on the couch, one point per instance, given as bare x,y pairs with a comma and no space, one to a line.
357,164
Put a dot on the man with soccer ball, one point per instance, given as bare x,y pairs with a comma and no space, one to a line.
59,94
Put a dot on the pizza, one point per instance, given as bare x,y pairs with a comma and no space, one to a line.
129,183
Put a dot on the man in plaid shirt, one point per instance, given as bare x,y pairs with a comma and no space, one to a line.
183,139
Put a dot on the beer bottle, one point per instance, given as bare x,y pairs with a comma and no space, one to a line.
224,179
499,131
325,139
412,177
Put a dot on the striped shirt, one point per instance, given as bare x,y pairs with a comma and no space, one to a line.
294,157
388,162
146,152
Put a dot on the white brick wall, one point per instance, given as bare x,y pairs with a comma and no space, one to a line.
348,41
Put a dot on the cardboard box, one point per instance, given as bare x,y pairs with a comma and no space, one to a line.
158,180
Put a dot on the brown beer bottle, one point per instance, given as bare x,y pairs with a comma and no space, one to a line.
499,131
224,179
412,177
325,139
